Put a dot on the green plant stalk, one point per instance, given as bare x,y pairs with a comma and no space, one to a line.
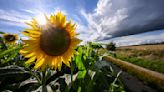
9,50
34,75
72,69
71,73
43,79
111,88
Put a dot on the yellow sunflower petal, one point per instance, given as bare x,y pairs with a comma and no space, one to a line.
29,55
30,35
66,61
29,48
30,41
74,42
30,60
31,31
59,63
54,63
22,51
39,63
34,26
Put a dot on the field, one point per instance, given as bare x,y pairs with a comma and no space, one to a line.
145,47
148,52
148,56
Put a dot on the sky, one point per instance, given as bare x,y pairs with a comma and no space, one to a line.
125,22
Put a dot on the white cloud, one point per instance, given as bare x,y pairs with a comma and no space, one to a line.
102,6
103,19
18,18
113,18
138,39
13,17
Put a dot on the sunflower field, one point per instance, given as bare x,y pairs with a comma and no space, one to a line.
52,59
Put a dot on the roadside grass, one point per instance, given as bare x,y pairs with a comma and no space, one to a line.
149,64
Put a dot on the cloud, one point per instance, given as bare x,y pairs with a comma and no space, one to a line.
13,18
132,40
148,37
19,17
114,18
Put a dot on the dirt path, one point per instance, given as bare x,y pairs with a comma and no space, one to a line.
144,74
132,83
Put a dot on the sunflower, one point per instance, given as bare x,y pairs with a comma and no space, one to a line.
51,44
10,38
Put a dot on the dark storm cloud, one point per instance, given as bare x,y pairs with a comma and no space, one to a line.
143,16
115,18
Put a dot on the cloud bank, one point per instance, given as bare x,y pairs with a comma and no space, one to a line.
115,18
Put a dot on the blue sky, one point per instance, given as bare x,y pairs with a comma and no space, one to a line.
125,22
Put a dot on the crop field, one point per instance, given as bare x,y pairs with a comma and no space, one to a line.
148,56
144,47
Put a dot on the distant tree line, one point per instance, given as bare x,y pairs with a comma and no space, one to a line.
111,46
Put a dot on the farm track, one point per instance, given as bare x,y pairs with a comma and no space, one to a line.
142,73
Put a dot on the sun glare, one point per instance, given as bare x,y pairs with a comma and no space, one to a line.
41,19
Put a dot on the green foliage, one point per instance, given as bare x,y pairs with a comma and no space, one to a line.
9,54
95,45
1,32
85,74
111,46
12,76
90,76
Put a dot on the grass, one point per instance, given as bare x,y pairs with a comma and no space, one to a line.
149,64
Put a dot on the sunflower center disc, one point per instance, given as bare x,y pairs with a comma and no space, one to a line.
55,41
10,38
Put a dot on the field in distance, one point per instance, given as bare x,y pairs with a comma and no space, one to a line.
148,56
144,47
148,52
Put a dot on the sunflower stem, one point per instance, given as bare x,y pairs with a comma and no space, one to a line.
72,69
44,80
71,73
33,74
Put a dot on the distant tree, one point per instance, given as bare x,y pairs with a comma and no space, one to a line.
95,45
111,46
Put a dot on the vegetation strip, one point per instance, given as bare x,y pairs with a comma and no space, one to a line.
154,65
142,73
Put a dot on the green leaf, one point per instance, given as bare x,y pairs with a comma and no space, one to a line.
13,55
2,54
2,32
13,72
79,89
78,60
81,74
11,76
79,63
80,50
